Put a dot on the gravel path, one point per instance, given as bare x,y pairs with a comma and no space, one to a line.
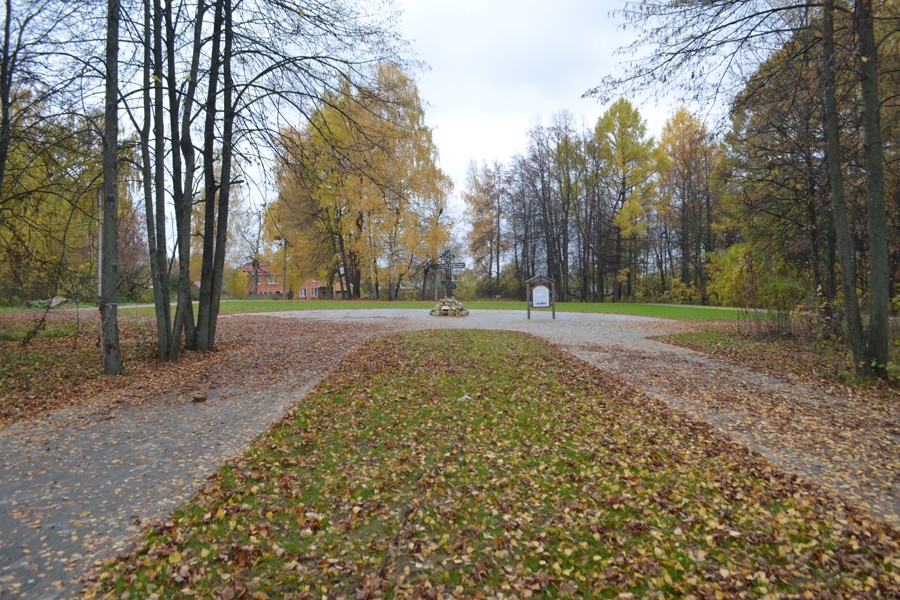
70,495
76,488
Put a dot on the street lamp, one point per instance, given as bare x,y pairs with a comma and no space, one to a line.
284,244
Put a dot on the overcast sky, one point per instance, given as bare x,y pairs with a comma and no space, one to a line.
497,66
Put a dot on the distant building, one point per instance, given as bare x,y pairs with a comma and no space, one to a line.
268,283
339,292
311,289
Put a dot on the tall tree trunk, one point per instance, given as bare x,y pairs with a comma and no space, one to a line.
616,265
218,274
211,189
855,335
184,316
685,240
343,274
498,224
830,256
190,168
7,66
814,241
879,277
156,244
356,282
109,319
159,172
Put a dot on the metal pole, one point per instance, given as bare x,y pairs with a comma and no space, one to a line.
553,291
528,299
284,244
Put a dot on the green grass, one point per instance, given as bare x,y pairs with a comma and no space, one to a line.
648,310
665,311
17,332
483,464
236,307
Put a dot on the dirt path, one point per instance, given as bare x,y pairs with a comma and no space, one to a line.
70,495
76,487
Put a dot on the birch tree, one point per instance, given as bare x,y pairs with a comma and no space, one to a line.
360,187
627,154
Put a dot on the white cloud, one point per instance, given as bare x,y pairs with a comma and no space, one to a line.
497,65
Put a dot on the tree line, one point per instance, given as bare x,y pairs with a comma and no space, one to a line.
794,203
160,109
609,213
141,107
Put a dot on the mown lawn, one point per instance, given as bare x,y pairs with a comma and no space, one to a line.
665,311
462,464
649,310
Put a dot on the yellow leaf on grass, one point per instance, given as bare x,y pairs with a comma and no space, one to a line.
175,558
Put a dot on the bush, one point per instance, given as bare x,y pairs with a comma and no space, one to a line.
748,278
680,293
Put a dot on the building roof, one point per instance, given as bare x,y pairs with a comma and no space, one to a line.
539,279
262,269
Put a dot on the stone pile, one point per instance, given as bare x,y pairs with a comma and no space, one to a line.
449,307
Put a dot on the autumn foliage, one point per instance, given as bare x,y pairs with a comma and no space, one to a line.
360,192
505,469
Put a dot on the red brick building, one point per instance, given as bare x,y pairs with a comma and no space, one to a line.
269,284
311,290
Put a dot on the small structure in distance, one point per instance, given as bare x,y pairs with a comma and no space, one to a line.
448,306
539,295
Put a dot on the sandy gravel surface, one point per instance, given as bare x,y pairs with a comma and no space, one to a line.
76,487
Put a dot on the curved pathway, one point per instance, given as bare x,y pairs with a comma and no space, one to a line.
75,489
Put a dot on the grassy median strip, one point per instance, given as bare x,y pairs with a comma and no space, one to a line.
466,463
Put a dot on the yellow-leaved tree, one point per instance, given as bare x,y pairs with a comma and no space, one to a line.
688,196
627,168
361,197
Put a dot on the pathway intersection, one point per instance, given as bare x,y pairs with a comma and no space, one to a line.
72,495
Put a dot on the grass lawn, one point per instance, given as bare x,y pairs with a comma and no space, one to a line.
649,310
451,464
665,311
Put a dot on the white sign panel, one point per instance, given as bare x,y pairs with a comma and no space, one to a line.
540,297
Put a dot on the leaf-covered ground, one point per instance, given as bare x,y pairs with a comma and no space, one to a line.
806,415
813,363
485,464
76,484
62,368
